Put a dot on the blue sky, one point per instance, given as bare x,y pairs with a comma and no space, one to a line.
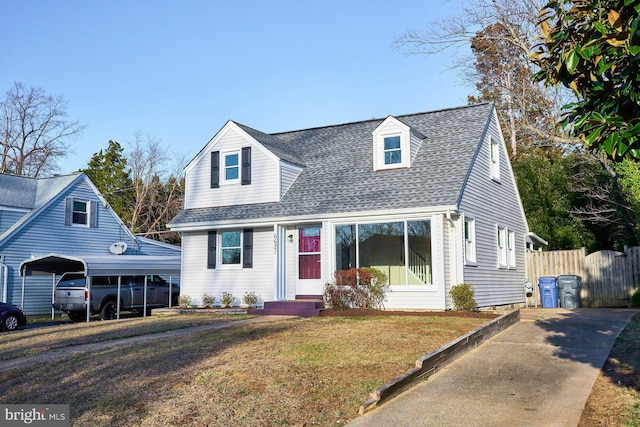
178,70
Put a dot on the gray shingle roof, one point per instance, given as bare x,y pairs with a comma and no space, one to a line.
30,193
339,177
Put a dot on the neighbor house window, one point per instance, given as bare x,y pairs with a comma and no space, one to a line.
231,171
511,237
495,159
402,250
470,241
502,247
392,150
80,213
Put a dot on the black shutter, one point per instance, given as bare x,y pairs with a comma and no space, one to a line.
211,249
247,248
93,214
246,166
68,210
215,169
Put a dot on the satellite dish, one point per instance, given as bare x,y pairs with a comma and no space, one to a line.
118,248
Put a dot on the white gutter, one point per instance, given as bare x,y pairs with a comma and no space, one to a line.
266,222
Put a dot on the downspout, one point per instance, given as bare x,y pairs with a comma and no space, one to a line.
5,277
453,263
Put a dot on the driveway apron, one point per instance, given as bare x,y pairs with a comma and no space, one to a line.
539,372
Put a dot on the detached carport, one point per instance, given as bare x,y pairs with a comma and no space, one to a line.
101,265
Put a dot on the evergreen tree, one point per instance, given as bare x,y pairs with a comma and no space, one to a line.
109,172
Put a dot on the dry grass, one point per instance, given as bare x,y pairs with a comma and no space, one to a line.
36,341
615,397
295,372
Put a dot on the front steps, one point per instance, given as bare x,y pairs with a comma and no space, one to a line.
302,306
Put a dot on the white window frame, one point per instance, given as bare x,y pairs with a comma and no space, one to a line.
224,167
87,213
220,254
501,246
511,251
385,151
494,159
469,236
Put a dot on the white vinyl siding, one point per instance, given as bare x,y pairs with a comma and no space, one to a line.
265,174
415,142
491,203
197,279
288,175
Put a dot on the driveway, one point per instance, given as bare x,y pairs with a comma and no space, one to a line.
539,372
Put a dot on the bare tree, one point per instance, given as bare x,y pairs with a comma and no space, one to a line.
158,194
501,34
34,130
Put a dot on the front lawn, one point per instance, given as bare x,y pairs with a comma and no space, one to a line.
293,372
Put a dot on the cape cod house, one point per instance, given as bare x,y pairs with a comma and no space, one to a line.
429,198
63,215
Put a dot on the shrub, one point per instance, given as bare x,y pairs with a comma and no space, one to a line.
635,298
250,299
208,300
185,301
376,288
462,297
226,300
356,288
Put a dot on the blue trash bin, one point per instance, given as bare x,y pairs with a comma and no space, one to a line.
548,292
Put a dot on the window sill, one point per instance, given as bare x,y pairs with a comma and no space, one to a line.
413,288
470,263
230,267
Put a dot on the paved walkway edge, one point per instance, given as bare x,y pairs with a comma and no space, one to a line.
432,362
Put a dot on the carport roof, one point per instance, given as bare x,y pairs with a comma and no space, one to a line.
102,265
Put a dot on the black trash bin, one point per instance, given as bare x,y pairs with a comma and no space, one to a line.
569,290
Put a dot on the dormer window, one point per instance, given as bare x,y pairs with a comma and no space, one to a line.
394,145
392,150
231,163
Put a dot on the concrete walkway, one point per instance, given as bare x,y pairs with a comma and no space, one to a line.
539,372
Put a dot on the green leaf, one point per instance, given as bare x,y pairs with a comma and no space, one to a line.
572,61
609,144
600,27
593,136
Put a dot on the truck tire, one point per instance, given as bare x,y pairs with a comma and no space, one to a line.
109,311
10,323
77,316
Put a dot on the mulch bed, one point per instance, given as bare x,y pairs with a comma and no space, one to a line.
355,312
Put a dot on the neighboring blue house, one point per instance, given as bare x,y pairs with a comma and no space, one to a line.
64,215
429,198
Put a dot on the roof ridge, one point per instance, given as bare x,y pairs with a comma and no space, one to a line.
460,107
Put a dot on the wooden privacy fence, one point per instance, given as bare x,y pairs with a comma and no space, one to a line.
609,278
